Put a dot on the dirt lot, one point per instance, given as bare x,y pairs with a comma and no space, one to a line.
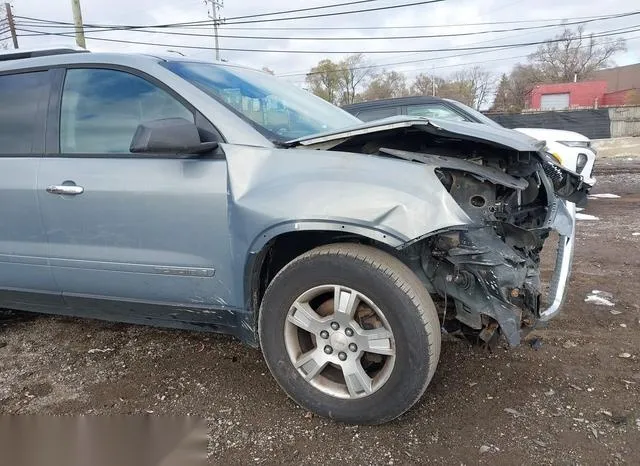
574,400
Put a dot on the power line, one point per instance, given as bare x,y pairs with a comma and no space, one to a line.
233,49
493,59
449,25
448,66
300,10
455,64
457,55
197,25
433,36
229,20
65,25
406,58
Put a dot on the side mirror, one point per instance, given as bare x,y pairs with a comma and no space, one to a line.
169,136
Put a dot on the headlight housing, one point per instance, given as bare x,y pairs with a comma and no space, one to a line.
555,155
581,162
584,144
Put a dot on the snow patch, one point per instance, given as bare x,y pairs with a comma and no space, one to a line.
604,196
580,216
600,298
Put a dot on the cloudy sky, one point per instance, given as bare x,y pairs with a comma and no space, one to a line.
446,17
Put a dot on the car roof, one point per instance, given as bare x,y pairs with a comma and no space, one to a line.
37,59
394,102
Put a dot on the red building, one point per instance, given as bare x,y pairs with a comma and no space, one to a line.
611,87
568,95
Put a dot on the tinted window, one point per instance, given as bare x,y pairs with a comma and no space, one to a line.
278,109
434,110
378,113
480,117
101,110
22,98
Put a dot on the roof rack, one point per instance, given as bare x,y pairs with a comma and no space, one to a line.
20,54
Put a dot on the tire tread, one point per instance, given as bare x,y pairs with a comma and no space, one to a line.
402,277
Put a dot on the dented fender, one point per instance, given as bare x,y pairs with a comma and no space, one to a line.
275,191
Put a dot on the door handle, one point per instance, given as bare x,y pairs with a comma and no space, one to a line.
69,190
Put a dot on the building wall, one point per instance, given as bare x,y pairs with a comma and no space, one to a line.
620,78
616,98
582,94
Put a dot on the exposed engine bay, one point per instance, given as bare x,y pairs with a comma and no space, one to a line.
487,273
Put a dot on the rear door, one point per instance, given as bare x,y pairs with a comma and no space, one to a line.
26,281
132,237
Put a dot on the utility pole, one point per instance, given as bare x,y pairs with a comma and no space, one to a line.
433,82
12,25
77,19
213,15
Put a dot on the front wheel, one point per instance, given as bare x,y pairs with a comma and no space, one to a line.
350,333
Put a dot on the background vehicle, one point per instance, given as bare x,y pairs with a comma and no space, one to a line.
187,194
573,149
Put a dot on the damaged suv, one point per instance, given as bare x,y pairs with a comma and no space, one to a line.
206,196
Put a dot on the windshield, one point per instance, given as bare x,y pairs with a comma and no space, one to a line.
285,111
480,117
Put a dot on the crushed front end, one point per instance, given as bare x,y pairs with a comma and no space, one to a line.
487,273
514,197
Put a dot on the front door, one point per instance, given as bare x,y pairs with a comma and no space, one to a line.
26,281
132,237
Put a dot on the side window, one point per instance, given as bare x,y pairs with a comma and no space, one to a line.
101,110
434,110
378,113
23,100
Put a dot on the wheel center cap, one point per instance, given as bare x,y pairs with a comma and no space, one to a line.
339,341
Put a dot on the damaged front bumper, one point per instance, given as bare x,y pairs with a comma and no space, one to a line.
562,271
489,282
488,272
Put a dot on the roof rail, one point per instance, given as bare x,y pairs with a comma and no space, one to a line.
20,54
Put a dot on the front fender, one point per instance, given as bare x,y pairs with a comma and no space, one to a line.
268,188
275,191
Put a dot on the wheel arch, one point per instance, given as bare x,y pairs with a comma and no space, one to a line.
276,247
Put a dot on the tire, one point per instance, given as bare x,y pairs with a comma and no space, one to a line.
394,322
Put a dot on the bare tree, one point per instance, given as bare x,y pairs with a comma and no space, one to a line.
324,81
3,25
483,85
354,73
386,85
574,55
522,80
425,84
339,83
515,89
471,86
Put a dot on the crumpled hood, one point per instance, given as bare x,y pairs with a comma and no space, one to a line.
495,135
551,135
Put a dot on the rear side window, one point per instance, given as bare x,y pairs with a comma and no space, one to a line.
434,110
101,110
378,113
23,102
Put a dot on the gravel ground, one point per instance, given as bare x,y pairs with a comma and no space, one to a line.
571,398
